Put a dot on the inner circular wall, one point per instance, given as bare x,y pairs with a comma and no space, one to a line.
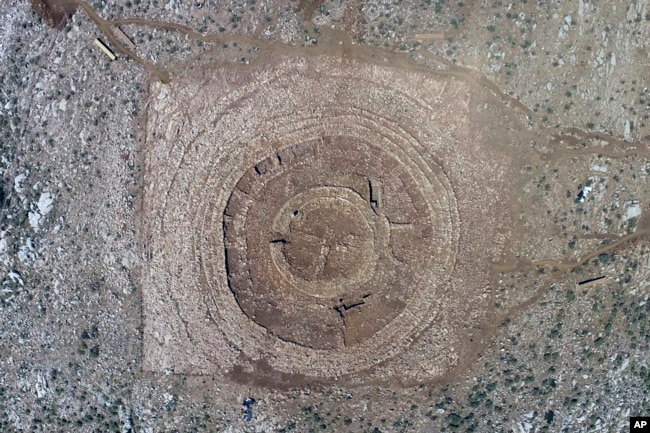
399,315
195,169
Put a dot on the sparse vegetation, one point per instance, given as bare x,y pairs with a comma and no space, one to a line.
70,298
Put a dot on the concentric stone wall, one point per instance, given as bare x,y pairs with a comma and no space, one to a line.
316,218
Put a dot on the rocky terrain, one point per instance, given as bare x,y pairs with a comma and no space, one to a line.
552,352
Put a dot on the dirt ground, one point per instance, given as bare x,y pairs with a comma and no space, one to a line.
366,216
55,12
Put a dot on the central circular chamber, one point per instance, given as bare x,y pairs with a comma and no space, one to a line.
328,241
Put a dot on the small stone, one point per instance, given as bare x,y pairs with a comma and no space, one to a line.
45,203
18,182
34,219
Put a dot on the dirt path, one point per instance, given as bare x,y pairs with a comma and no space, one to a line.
570,265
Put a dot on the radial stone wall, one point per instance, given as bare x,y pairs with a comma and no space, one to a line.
315,219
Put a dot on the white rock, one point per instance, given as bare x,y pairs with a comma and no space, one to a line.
129,259
599,167
45,203
633,210
26,251
40,386
626,362
63,105
34,219
125,418
612,60
524,427
15,277
567,20
18,182
627,132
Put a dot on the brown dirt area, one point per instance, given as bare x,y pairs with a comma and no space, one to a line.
55,12
267,214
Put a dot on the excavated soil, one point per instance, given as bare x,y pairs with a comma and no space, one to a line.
55,12
316,218
327,241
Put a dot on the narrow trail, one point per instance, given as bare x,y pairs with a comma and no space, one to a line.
575,142
570,265
105,27
643,231
334,42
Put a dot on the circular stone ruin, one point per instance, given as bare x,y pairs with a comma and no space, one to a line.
315,219
327,241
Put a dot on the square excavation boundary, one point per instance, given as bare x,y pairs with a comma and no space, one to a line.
319,219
